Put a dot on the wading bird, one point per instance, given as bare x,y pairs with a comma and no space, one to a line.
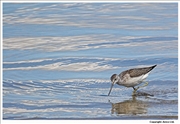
131,78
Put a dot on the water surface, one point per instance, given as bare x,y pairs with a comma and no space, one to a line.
58,59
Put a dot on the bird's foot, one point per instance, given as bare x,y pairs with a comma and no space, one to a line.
144,85
134,92
135,89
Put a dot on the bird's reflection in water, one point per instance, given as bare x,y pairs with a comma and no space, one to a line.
131,107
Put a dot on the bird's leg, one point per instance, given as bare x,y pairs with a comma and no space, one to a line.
134,92
135,89
143,85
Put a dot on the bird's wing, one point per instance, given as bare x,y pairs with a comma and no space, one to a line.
139,71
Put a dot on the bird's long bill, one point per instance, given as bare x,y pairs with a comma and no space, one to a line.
111,88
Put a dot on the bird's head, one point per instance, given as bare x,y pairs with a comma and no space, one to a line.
114,80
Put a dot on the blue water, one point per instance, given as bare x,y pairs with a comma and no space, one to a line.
58,59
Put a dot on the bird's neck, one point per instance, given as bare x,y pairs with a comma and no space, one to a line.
119,80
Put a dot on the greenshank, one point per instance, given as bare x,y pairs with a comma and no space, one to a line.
131,78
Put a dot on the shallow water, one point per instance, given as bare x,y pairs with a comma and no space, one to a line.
58,59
